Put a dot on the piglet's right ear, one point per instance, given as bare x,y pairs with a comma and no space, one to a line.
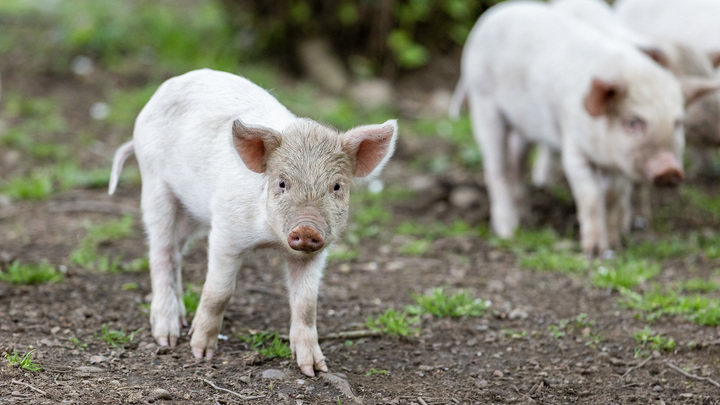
253,144
603,96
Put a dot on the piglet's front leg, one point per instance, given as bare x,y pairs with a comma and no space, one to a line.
303,283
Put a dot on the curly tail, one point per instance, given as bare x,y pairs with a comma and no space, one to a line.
457,99
121,154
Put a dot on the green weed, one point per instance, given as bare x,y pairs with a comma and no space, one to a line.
393,323
465,152
647,340
123,33
342,252
709,205
625,273
129,287
25,362
516,335
415,248
434,231
373,371
267,344
699,285
444,304
558,331
86,254
191,298
656,303
116,338
548,259
37,186
76,343
39,273
527,240
580,327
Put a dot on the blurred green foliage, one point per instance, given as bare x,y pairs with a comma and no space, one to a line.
371,35
124,35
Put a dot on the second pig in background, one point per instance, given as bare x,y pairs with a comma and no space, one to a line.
692,67
544,77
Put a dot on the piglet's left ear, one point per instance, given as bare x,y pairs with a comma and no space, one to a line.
371,146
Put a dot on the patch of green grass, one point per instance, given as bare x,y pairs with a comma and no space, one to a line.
149,33
662,249
416,247
116,338
548,259
624,273
139,264
370,213
343,252
37,186
531,239
699,285
87,255
516,335
129,287
76,343
393,323
459,133
25,362
647,340
558,331
656,303
373,371
445,304
38,273
267,344
191,298
44,182
434,231
580,327
709,205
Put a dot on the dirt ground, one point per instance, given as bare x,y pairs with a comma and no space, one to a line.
504,356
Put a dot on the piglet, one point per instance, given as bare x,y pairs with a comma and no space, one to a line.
533,74
220,155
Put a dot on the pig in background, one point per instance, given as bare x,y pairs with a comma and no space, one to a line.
689,22
218,153
692,68
534,74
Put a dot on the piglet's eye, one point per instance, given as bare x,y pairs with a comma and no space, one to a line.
337,187
635,124
282,184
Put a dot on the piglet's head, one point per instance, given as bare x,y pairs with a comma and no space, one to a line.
638,128
309,168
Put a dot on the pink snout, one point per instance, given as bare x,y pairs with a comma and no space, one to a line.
665,170
305,239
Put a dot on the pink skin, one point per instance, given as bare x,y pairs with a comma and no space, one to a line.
268,141
664,169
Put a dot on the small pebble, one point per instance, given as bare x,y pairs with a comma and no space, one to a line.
159,393
273,374
498,373
97,359
245,379
657,388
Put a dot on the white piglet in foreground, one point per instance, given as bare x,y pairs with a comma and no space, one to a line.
616,115
218,153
